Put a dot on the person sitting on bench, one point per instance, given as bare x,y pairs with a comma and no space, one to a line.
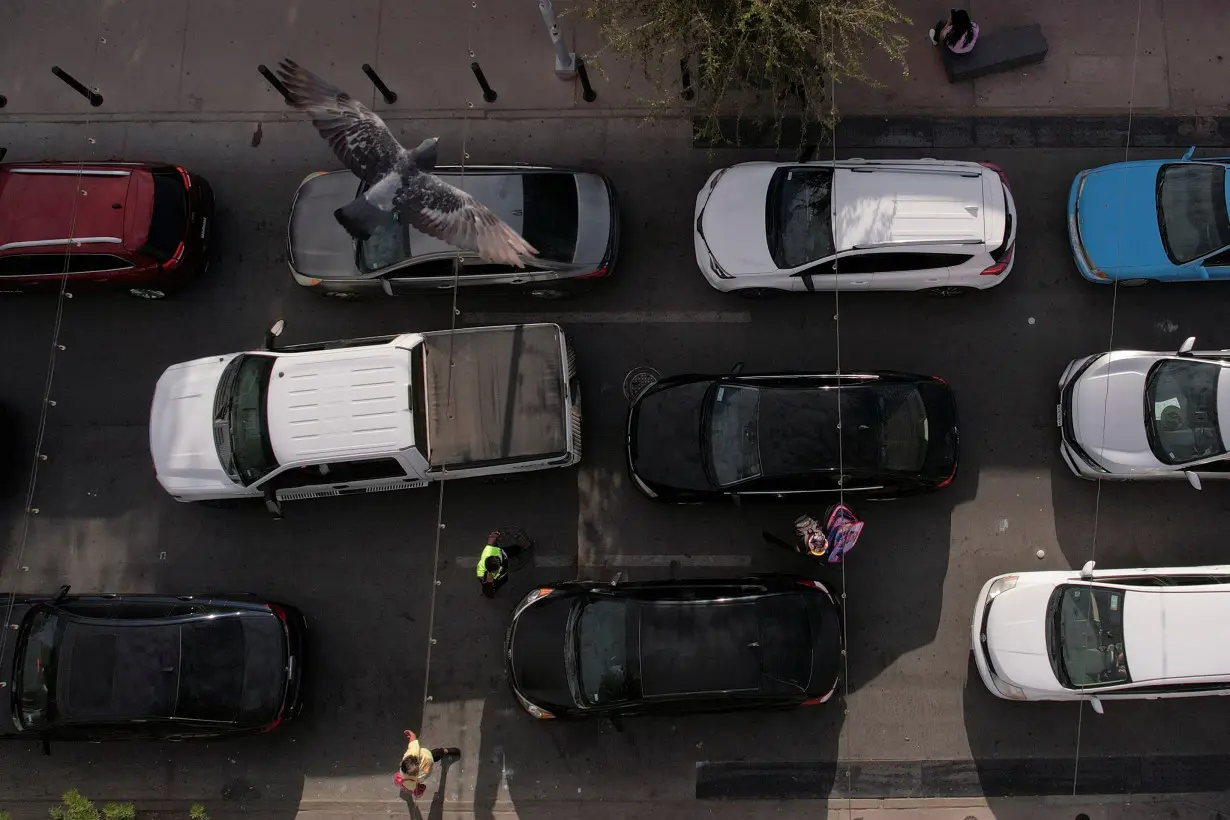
958,32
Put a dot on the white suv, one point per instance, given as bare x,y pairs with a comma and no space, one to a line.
932,225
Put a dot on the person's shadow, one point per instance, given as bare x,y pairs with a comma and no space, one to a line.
436,810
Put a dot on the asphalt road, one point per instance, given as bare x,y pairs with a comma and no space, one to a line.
364,568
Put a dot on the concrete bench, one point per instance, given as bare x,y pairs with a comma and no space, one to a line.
995,51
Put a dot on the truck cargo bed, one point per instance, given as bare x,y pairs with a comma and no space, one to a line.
503,400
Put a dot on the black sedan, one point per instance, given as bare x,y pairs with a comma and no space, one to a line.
115,667
591,649
879,434
569,216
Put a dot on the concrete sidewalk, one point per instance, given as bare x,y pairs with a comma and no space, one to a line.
178,59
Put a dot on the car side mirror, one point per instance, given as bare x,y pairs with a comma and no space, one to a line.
1087,571
618,577
1185,349
1193,479
61,594
274,331
1188,153
46,744
272,504
737,369
1095,703
617,722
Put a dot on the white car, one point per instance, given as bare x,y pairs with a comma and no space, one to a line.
1104,634
1136,414
942,227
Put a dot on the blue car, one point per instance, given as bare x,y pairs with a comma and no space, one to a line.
1151,221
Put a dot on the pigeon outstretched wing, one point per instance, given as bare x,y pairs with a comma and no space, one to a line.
449,213
359,138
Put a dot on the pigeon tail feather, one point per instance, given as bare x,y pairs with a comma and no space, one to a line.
360,218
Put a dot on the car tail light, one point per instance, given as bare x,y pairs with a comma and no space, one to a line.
1002,176
174,261
941,381
945,482
598,274
810,584
277,610
276,721
814,701
1002,265
187,178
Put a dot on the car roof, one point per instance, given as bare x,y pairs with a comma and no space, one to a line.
705,646
882,206
39,203
328,405
1167,631
502,193
798,428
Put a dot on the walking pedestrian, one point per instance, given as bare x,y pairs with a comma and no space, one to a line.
417,763
493,568
958,32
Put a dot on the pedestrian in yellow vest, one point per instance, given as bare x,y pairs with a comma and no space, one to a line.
492,569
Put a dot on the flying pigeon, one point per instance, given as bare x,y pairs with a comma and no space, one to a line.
398,180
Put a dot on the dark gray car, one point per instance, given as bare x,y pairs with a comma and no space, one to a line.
569,216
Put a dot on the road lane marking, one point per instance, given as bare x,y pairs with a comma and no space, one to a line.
645,317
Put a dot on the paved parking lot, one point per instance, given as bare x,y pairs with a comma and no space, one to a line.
365,569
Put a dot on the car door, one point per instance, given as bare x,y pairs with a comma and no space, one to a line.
1217,266
818,276
31,271
416,278
339,478
97,269
489,276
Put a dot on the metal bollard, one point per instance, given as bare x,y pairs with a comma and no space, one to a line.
93,96
275,82
587,91
488,92
389,96
565,61
3,101
688,92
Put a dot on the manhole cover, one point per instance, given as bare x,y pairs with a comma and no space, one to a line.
639,380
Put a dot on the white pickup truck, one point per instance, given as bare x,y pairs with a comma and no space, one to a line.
366,415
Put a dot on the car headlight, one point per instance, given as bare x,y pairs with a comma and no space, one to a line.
1001,585
541,592
536,711
717,269
1009,691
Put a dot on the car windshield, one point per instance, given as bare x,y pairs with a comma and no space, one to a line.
1181,411
732,433
37,682
388,245
241,426
1191,204
602,648
1087,647
798,216
904,430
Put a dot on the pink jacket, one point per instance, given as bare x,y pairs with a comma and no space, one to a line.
965,44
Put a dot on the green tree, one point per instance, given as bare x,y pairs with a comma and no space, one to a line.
76,807
4,815
197,812
766,58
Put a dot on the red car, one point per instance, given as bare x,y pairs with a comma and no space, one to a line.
142,227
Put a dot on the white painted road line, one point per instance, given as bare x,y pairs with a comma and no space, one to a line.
626,561
647,317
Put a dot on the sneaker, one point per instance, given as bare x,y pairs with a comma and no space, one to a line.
931,35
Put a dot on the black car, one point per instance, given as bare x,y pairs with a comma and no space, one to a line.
115,667
569,216
593,649
883,434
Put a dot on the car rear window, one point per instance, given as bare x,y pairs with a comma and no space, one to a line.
550,215
785,640
211,670
264,672
169,224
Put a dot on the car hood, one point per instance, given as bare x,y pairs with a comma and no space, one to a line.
666,438
317,245
1016,637
1108,410
1117,217
733,219
536,655
181,437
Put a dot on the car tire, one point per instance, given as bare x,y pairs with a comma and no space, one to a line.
147,293
341,295
949,291
549,293
1135,283
224,503
759,293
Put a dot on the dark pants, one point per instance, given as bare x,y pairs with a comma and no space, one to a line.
437,754
489,589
